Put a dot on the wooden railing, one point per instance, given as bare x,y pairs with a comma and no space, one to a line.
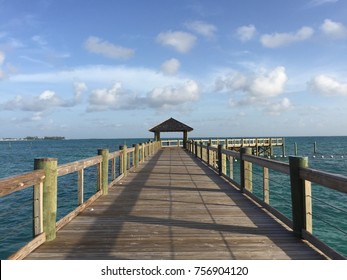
298,174
44,181
260,145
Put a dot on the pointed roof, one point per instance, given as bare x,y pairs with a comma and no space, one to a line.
171,125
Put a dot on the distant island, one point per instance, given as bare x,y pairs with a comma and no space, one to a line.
33,138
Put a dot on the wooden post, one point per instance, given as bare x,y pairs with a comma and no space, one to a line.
124,158
143,152
38,209
208,153
224,160
113,167
266,191
185,139
50,189
104,170
231,167
315,147
80,191
219,155
196,148
283,147
136,155
300,190
245,170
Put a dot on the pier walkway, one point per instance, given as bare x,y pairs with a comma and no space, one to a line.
174,207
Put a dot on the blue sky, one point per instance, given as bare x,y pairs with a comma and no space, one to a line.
114,69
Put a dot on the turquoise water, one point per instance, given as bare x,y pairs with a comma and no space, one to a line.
330,223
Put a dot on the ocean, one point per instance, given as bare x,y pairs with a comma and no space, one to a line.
16,157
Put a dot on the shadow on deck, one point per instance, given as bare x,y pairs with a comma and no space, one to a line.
174,207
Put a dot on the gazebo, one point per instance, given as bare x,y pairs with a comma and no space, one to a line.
171,125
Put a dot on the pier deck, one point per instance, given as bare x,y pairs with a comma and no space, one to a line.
174,207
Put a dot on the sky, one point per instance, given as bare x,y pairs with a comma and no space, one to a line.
227,68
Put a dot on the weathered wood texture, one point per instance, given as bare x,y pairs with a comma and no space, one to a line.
174,207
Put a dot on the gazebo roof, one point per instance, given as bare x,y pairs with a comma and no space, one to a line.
171,125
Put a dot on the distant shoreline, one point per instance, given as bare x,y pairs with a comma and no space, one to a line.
33,138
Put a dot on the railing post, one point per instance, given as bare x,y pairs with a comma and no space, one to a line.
136,155
245,170
301,196
219,155
49,196
104,170
208,154
266,190
196,149
224,161
231,167
200,145
80,191
123,160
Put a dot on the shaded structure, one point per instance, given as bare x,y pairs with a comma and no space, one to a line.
171,125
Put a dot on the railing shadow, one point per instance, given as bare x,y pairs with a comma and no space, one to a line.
108,217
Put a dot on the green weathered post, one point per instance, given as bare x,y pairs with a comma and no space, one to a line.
298,194
136,155
123,162
315,147
104,170
50,189
245,170
208,153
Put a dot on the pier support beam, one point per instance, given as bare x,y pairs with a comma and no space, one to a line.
49,195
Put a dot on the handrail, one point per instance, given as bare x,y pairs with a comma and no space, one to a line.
20,182
300,180
44,230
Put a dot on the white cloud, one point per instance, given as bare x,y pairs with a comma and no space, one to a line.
276,40
45,101
202,28
2,57
246,32
327,86
269,84
170,97
79,88
171,66
333,29
264,84
114,98
276,108
232,82
118,98
98,46
257,90
182,42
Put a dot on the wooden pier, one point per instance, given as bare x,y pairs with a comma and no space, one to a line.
174,207
173,203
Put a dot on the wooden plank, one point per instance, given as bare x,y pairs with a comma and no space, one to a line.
16,183
330,180
68,168
28,248
174,207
